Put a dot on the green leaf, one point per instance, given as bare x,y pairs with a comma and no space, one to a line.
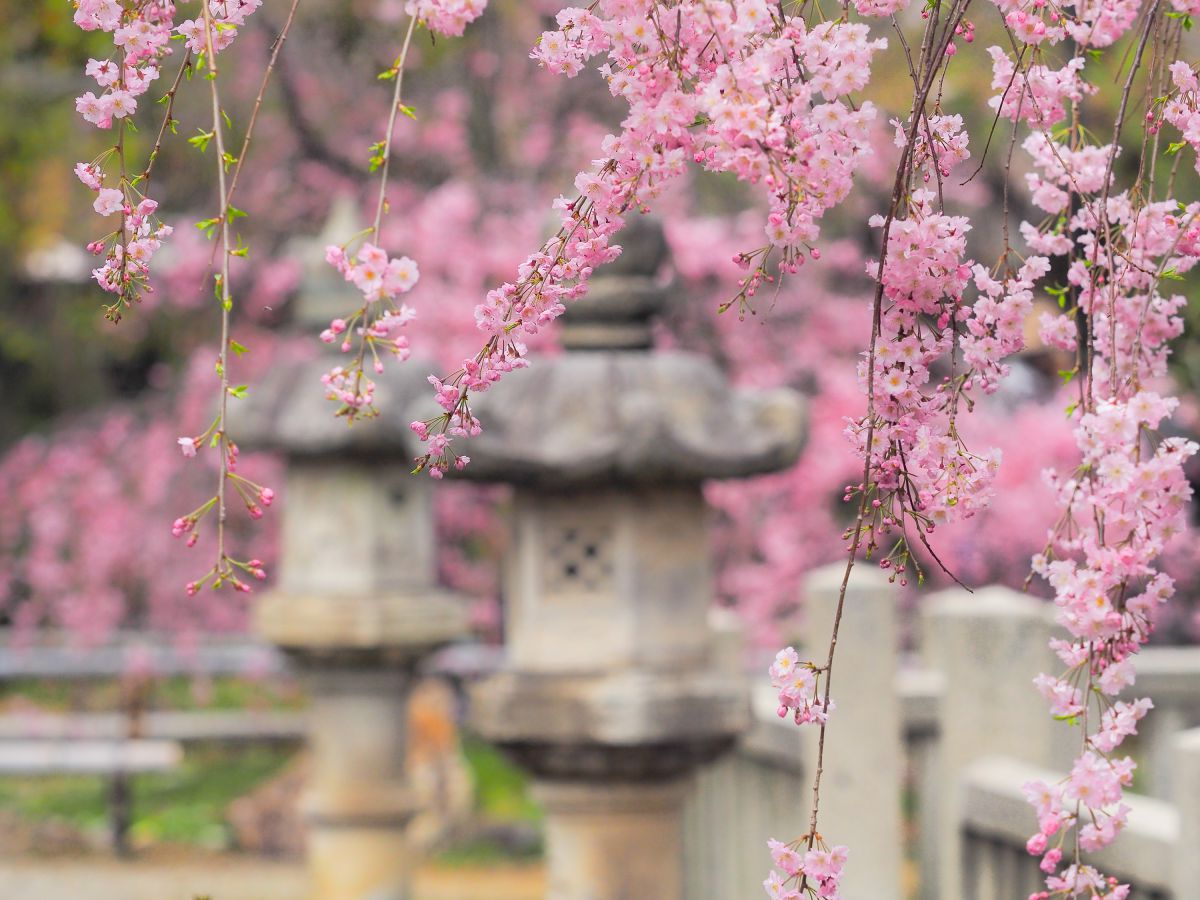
237,348
240,391
200,141
409,111
235,213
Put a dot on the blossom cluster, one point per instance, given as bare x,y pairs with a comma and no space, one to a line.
1040,95
448,17
225,18
1087,24
922,474
819,868
377,324
140,34
745,88
798,683
939,145
1180,110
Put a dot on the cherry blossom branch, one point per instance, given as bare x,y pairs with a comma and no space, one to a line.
958,11
225,569
377,323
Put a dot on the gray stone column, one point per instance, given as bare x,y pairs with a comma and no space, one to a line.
614,691
358,803
614,839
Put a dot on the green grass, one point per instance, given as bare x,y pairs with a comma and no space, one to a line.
178,693
501,789
186,806
501,799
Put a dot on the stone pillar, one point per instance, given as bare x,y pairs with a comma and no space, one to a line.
614,839
989,646
356,606
614,690
1186,764
864,750
358,803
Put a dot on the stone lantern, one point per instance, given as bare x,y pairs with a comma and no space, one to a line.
356,603
612,692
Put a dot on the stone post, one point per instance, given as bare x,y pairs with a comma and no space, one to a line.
988,646
1186,764
613,690
356,605
613,839
864,750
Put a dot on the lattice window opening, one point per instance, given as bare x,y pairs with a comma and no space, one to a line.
579,559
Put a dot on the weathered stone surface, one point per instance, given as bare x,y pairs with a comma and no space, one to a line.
970,637
602,580
629,418
1185,874
862,782
356,528
356,626
613,841
620,708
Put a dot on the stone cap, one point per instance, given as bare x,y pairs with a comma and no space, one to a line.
585,419
394,622
624,709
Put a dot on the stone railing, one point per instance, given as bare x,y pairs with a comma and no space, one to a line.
956,730
1150,854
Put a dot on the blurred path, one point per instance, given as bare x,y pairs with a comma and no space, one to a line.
161,877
